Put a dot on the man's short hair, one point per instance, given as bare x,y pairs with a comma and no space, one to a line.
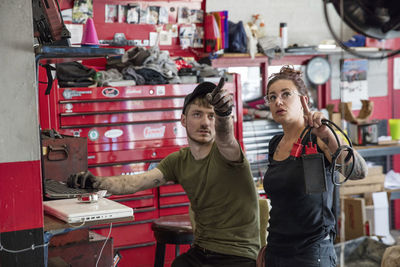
200,91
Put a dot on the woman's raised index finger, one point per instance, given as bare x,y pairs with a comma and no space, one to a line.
306,110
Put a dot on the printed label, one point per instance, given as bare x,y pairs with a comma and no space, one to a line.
114,133
133,91
160,90
154,132
110,92
68,93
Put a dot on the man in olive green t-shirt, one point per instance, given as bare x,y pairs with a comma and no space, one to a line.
216,177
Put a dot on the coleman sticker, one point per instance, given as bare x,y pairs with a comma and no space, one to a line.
114,133
93,135
68,93
154,132
110,92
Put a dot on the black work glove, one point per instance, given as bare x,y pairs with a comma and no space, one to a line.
221,99
81,180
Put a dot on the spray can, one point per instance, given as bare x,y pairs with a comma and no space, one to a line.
283,34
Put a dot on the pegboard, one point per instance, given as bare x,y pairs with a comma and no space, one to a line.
106,30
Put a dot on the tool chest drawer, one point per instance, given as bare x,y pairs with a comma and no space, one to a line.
144,154
127,132
181,208
128,233
113,118
132,145
170,188
137,201
124,92
147,192
173,198
140,255
144,214
118,93
75,107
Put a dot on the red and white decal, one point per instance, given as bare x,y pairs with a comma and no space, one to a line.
150,132
114,133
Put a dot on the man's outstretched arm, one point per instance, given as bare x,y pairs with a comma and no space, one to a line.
222,101
118,185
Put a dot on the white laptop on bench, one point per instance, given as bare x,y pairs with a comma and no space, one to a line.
73,211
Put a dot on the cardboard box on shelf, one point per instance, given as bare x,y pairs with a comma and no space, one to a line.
374,170
360,189
370,179
354,218
361,219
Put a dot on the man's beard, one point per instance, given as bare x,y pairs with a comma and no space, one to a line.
198,141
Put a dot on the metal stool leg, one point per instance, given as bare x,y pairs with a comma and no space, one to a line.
176,251
160,254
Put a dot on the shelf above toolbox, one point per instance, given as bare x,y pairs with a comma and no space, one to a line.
58,54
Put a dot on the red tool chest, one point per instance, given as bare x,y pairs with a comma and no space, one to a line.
129,130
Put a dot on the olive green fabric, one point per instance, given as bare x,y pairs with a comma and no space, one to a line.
224,200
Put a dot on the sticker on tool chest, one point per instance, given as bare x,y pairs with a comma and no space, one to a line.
68,93
114,133
150,132
110,92
133,91
68,108
93,135
160,90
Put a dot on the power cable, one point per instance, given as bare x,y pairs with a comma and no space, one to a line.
346,48
337,153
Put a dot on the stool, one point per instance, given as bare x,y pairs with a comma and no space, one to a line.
173,229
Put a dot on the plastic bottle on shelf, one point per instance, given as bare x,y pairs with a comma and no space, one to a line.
283,33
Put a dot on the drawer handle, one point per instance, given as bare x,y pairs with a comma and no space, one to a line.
54,153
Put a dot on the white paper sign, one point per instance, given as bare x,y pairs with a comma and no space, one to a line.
165,38
76,31
153,36
381,213
396,73
354,92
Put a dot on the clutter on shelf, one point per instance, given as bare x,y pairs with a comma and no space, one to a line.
256,109
138,66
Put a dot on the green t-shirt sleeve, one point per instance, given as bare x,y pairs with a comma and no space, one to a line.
168,166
